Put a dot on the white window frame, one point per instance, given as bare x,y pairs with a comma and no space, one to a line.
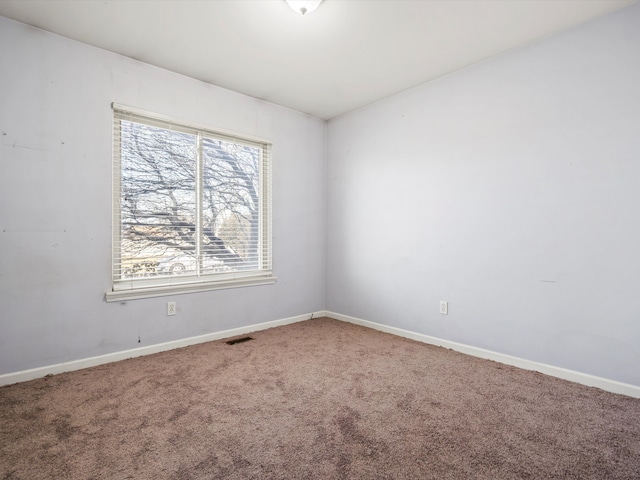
130,289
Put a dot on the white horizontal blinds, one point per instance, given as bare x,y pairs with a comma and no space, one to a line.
157,200
265,205
191,203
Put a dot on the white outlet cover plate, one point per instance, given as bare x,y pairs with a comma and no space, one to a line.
444,307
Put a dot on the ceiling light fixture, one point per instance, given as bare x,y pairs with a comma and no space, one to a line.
303,6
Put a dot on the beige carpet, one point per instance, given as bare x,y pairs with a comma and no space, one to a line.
319,399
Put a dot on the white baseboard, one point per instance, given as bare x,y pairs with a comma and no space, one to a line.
40,372
571,375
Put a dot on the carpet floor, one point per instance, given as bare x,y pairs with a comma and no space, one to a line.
320,399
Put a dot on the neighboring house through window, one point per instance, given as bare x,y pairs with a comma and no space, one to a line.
191,207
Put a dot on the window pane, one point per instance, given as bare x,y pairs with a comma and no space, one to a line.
158,203
192,208
231,216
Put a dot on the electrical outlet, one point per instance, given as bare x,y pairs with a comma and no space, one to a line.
444,307
171,308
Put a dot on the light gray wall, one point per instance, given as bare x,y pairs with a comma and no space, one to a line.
510,189
55,202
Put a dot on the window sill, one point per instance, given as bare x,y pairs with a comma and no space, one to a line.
164,290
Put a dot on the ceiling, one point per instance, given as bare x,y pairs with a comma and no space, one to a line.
346,54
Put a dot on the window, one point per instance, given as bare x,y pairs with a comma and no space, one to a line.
191,208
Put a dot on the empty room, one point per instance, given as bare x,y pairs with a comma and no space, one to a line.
324,239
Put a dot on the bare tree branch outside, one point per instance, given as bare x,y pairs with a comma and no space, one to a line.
189,203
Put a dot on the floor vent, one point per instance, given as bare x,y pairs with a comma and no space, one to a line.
238,340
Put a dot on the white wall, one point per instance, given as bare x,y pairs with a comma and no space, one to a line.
55,203
512,190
